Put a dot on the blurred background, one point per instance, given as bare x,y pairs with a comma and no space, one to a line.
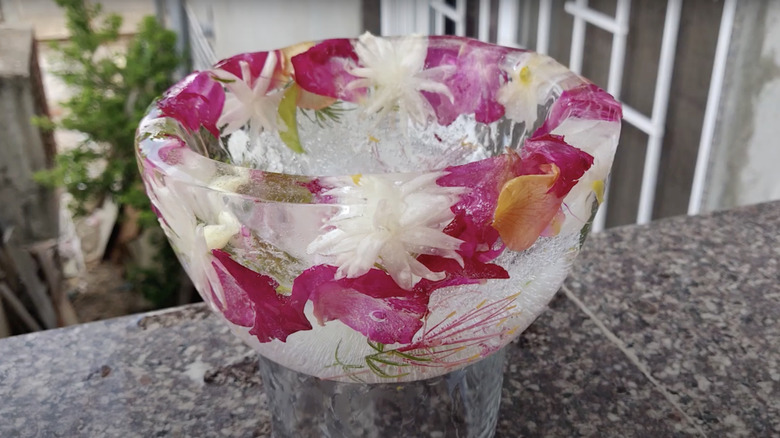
699,81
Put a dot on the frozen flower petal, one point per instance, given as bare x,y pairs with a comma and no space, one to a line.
474,83
255,62
217,236
250,99
276,316
475,253
552,149
587,101
372,304
237,308
530,83
393,70
525,208
196,100
388,223
484,180
324,69
527,205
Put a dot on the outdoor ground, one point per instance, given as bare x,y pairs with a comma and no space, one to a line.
100,293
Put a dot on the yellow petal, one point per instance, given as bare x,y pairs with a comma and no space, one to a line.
286,54
309,100
598,188
525,209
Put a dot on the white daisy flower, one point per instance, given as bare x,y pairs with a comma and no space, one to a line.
245,103
529,85
390,223
393,70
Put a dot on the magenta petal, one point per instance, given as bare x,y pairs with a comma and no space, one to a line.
477,249
237,307
196,100
552,149
478,240
372,304
171,152
587,101
474,82
275,316
484,178
232,65
323,69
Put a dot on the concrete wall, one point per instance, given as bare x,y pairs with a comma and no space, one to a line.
25,205
745,162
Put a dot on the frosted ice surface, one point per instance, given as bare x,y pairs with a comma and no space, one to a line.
356,144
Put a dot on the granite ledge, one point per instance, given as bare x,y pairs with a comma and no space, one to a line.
666,292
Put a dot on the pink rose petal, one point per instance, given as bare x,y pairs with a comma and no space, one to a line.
484,178
237,308
372,304
232,65
323,69
196,100
552,149
474,83
584,102
477,249
273,315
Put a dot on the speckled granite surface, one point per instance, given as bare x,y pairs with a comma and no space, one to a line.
663,330
697,301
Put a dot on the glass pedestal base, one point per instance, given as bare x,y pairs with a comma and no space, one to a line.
463,403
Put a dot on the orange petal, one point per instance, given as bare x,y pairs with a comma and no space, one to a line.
525,209
554,227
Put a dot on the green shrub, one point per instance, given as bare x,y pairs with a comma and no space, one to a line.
112,89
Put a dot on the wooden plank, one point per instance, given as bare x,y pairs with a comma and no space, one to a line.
26,268
5,328
45,253
8,295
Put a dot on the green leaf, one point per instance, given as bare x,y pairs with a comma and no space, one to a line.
410,357
380,372
222,80
379,359
287,114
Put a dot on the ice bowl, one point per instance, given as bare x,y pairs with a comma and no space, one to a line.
378,209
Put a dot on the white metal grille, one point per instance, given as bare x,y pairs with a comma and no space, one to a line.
508,20
203,56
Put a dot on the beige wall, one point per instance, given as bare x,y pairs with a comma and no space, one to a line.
247,25
49,22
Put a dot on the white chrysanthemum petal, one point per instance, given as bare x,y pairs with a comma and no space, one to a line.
250,103
217,236
393,70
393,222
428,237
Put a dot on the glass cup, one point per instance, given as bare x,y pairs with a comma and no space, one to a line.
379,217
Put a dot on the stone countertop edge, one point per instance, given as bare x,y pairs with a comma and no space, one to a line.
603,360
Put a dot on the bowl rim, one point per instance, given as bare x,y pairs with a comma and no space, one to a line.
149,144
